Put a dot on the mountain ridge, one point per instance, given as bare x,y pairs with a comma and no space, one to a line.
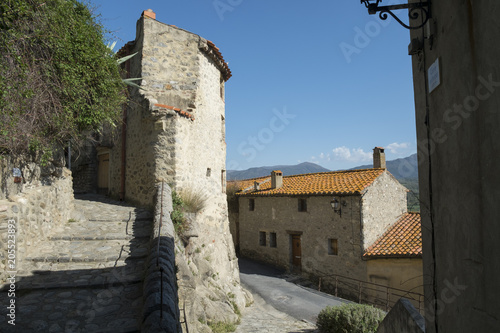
401,168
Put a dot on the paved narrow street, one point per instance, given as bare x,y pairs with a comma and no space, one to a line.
280,306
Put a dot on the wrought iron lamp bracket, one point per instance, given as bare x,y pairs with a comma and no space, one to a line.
415,10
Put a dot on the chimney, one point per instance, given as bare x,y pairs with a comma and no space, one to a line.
378,158
276,179
149,13
256,186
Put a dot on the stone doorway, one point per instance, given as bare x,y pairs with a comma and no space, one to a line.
103,173
296,253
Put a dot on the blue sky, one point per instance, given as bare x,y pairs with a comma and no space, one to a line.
318,81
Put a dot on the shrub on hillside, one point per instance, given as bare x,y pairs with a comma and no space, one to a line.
349,318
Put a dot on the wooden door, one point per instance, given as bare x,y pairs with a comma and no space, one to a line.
103,174
296,253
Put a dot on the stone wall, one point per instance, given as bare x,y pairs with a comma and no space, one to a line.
403,317
37,211
458,154
383,203
317,225
175,133
400,273
161,311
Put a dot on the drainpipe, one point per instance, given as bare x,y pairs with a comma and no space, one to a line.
124,136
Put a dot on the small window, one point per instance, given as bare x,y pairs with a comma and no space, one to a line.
262,238
222,87
272,239
209,172
333,248
223,128
251,205
302,205
223,180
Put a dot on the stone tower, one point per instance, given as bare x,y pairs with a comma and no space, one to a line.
174,131
173,128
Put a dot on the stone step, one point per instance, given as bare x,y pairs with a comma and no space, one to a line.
88,251
80,275
113,309
103,230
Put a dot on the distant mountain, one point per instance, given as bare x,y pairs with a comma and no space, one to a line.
401,168
288,170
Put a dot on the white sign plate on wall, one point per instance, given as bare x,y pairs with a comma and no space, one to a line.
433,76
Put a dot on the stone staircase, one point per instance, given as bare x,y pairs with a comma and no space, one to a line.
87,276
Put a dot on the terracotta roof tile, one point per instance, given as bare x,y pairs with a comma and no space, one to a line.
215,52
403,239
323,183
179,111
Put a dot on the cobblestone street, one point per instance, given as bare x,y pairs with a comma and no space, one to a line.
261,317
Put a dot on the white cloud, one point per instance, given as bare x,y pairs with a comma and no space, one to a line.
398,148
351,155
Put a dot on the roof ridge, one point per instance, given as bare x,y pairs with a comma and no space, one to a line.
334,172
317,173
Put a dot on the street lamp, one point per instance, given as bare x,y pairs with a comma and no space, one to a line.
335,203
416,9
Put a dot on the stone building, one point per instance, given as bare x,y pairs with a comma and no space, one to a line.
395,261
320,223
456,77
173,131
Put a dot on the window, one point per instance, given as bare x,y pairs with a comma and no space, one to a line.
262,238
333,248
272,239
223,128
223,180
302,205
209,172
222,87
251,205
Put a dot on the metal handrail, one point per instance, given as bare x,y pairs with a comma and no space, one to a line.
368,286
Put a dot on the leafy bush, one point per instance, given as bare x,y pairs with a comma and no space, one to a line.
222,327
177,214
58,80
349,318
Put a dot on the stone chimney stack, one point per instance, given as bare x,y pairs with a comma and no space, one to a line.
256,186
378,158
276,179
149,13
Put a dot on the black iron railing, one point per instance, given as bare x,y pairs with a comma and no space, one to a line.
378,295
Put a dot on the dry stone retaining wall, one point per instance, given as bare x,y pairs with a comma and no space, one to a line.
37,211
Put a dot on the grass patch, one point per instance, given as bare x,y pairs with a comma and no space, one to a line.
222,327
194,201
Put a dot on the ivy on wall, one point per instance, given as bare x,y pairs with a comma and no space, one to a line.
58,79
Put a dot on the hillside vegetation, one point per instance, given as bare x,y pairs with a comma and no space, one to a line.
58,79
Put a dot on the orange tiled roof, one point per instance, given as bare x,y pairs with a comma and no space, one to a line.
322,183
224,67
403,239
179,111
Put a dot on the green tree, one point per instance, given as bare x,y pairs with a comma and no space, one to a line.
58,79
